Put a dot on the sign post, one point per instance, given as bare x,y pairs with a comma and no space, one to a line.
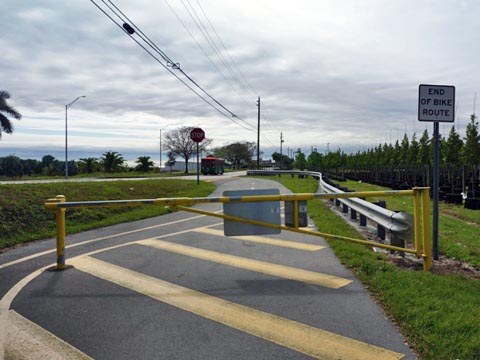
436,103
197,135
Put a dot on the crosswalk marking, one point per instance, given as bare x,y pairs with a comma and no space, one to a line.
294,335
27,340
264,240
286,272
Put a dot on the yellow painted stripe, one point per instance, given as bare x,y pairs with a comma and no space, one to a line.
286,272
27,340
30,257
294,335
263,240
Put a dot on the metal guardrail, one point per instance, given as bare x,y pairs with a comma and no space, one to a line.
400,224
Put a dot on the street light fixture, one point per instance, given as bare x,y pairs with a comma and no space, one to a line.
66,133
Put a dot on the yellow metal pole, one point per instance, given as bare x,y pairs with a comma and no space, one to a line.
60,225
417,207
427,234
60,220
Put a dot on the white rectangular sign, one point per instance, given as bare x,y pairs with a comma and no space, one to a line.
436,103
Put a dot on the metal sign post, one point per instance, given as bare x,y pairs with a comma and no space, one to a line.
436,103
197,135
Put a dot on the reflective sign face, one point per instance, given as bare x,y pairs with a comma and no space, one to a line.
197,135
436,103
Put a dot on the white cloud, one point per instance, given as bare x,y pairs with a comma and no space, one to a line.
344,73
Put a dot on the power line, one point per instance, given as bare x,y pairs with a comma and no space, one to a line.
226,51
206,34
169,61
216,49
198,22
130,31
203,50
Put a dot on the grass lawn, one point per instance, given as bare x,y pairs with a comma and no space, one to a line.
458,228
24,218
438,314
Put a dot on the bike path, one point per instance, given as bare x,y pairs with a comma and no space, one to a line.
184,291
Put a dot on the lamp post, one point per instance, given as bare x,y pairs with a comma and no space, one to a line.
160,165
66,133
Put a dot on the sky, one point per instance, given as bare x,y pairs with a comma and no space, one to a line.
330,74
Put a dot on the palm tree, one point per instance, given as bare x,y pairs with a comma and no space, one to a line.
88,165
5,124
144,164
112,161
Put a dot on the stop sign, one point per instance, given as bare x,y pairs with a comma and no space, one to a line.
197,135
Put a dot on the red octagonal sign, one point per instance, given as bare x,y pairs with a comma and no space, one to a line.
197,135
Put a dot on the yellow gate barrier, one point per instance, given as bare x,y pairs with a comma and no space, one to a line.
421,201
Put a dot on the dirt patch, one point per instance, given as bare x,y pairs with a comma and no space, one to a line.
442,266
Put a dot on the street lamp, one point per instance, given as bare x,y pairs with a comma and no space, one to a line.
160,165
66,133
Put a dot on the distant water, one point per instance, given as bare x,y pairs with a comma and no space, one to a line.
37,154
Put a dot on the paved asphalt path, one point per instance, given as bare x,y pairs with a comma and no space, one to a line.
173,287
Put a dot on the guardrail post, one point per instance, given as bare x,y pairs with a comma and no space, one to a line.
363,220
353,214
380,228
345,209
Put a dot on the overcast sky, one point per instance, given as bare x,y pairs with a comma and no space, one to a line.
343,73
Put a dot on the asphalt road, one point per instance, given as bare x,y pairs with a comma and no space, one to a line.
96,179
173,287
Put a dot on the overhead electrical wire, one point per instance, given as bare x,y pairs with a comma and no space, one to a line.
253,91
130,28
169,61
209,39
204,51
204,31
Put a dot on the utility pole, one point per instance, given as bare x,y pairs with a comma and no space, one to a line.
281,142
258,135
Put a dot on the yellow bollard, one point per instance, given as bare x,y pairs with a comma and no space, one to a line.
417,210
60,220
60,226
427,234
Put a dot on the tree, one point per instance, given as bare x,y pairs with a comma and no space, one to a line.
413,151
300,161
171,160
424,151
179,143
31,167
112,161
88,165
238,153
453,148
5,123
144,164
282,161
405,146
471,149
314,161
11,166
48,167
